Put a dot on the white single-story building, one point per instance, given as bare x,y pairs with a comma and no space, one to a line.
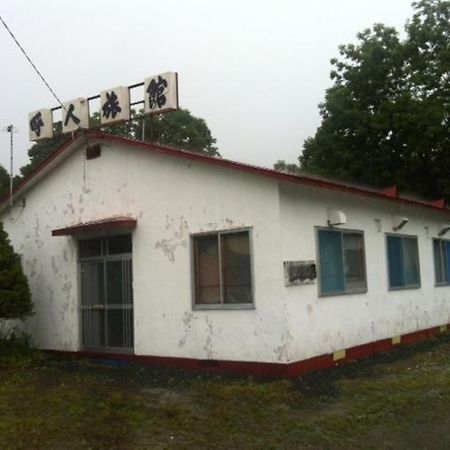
147,252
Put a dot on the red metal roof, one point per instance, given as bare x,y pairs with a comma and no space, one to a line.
307,180
98,226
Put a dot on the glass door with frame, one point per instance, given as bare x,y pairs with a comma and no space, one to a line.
106,293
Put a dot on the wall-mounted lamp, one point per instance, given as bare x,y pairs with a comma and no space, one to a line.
444,230
399,222
336,217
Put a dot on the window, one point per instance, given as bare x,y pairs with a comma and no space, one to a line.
89,248
403,262
342,267
441,251
222,270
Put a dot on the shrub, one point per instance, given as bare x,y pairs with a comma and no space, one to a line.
15,297
15,347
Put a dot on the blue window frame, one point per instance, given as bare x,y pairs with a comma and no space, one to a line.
403,262
441,253
342,266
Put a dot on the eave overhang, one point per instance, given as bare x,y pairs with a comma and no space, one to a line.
98,227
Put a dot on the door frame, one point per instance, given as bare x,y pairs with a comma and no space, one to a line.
104,258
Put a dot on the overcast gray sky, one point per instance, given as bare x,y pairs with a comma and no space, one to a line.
255,70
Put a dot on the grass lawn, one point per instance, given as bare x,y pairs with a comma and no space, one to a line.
394,400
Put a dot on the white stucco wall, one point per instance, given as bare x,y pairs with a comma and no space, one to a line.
172,198
320,325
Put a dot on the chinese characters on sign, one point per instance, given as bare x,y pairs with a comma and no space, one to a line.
111,107
115,105
160,95
41,124
75,114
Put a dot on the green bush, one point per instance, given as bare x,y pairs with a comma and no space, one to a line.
15,296
14,344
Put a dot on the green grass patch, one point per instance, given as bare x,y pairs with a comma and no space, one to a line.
397,400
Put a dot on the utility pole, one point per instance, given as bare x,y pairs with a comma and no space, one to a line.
11,129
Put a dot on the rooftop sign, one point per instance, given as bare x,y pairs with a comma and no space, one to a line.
160,95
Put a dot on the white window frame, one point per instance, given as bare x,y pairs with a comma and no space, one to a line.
222,305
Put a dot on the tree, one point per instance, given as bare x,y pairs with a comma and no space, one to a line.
179,129
386,119
15,297
4,181
41,150
282,166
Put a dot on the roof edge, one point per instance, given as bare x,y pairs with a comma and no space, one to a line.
84,135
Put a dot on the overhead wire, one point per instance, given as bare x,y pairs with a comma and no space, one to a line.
31,62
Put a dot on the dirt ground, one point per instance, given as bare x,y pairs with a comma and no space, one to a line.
397,400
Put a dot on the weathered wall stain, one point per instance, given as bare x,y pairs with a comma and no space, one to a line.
282,350
208,347
122,186
187,319
179,232
69,205
54,265
30,267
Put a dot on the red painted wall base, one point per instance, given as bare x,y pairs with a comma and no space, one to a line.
277,370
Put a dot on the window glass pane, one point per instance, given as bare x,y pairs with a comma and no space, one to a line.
207,277
114,283
331,267
119,244
395,261
93,332
354,262
411,261
447,260
92,285
237,285
90,247
120,328
438,260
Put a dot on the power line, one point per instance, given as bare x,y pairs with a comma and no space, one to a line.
31,62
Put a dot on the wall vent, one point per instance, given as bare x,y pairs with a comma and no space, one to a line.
94,152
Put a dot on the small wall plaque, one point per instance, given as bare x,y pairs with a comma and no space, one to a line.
299,272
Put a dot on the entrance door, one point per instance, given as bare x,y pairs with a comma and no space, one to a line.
106,293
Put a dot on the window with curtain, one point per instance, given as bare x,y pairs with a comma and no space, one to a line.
222,269
342,266
403,261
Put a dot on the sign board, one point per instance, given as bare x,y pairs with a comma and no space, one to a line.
40,124
75,115
115,105
160,95
299,272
